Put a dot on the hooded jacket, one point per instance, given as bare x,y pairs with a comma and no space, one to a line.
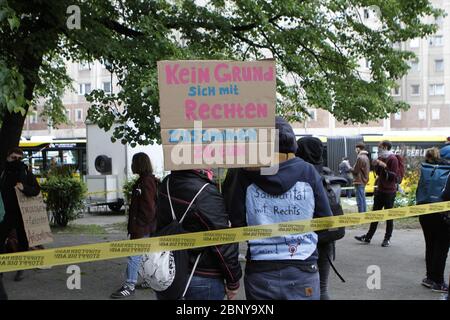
207,213
361,169
295,192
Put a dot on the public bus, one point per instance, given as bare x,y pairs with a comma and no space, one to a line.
41,156
411,147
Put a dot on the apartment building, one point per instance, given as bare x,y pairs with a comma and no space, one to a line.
86,77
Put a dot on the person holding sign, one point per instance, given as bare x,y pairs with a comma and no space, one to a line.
295,192
15,175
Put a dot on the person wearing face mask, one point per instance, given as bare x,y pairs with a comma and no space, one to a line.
15,174
386,168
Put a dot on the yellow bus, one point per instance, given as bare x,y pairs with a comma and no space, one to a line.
40,156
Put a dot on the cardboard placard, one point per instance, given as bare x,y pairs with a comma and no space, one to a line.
211,109
35,219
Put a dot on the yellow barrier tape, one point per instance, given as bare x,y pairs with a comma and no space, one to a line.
103,192
125,248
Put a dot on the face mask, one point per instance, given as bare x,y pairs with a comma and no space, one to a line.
14,165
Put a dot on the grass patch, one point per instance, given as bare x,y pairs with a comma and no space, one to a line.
79,229
119,227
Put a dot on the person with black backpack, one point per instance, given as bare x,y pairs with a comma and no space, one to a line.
388,169
190,199
310,149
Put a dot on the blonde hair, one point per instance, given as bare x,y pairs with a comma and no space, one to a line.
432,154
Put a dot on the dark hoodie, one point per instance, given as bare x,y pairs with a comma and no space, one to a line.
294,193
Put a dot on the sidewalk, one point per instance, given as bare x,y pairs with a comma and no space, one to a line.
402,268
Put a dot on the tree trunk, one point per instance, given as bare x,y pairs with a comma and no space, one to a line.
12,125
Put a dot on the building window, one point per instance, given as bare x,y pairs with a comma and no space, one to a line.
366,14
84,88
83,65
398,116
367,64
415,90
439,21
414,43
68,114
395,91
422,114
79,115
415,66
312,114
437,41
437,89
107,87
435,114
439,65
34,118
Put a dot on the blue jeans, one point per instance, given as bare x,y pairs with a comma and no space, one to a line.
203,288
288,283
134,263
360,191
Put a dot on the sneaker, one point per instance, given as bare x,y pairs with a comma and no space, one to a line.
386,243
363,238
123,292
427,283
143,285
440,287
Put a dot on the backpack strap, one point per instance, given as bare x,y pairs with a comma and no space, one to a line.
191,275
190,204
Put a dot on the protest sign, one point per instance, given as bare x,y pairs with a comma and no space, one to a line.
217,113
35,219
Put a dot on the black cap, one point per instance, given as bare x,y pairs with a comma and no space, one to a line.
286,136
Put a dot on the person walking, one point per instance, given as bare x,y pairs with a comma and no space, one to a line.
218,270
386,168
15,175
141,218
285,267
361,171
345,170
437,237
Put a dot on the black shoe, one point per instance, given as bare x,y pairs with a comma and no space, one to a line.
386,243
363,238
123,292
19,275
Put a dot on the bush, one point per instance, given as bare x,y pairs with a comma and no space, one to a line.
64,195
128,188
408,197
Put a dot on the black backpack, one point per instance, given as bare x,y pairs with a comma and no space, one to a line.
332,185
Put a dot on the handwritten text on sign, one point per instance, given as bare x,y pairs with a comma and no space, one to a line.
221,106
35,219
